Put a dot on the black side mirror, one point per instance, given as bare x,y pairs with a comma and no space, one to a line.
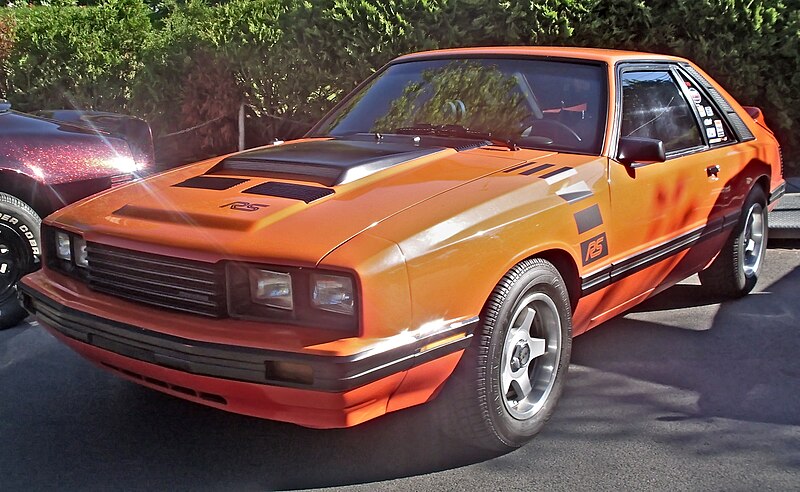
640,151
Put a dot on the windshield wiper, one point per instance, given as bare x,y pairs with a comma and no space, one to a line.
456,131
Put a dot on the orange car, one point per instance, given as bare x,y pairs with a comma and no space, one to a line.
448,227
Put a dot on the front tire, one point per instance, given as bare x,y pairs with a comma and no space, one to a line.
736,270
509,380
19,254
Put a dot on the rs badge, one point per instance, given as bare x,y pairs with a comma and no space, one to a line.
244,206
593,249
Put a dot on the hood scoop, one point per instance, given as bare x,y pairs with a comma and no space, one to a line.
327,162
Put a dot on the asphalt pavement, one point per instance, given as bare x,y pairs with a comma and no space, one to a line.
683,393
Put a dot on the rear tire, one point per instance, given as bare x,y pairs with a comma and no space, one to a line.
736,270
19,254
509,380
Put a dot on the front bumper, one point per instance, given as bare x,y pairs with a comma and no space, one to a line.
240,379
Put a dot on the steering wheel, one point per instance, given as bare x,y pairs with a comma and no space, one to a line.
550,128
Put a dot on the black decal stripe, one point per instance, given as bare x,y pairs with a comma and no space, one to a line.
588,218
536,169
555,173
596,281
575,196
210,183
731,219
516,168
640,261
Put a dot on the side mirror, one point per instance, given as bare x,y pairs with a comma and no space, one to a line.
640,151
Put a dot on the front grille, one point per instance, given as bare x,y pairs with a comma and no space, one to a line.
162,281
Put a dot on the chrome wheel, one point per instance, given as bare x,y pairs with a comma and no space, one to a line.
753,240
531,353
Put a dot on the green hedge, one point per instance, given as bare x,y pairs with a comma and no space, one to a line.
180,64
75,56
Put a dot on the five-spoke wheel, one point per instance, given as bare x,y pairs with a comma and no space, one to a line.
735,271
510,378
531,354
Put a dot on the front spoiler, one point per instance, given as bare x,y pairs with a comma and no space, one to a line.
243,364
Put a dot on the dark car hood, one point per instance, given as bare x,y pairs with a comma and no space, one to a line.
54,152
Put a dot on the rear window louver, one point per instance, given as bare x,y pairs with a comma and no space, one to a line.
739,126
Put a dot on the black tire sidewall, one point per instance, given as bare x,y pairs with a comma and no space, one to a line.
11,313
21,225
746,283
537,278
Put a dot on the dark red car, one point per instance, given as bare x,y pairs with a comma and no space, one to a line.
48,161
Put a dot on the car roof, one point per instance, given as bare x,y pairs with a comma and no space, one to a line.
596,54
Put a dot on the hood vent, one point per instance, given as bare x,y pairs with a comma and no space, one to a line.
210,183
327,162
288,190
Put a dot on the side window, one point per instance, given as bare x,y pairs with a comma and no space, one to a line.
653,107
714,125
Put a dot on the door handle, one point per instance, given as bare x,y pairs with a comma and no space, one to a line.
712,170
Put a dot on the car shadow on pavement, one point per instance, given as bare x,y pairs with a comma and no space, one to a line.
743,366
140,438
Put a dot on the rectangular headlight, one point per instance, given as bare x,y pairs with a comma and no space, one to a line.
270,288
63,246
81,259
332,293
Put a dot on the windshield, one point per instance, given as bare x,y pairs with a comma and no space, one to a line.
541,104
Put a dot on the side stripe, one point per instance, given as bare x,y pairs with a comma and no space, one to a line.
624,268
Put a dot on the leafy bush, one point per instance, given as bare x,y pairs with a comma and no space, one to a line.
75,56
181,64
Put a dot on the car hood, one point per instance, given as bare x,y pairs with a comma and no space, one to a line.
291,204
54,152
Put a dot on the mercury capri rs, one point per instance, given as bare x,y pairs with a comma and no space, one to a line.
442,234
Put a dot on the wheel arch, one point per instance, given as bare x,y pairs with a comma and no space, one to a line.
567,267
27,189
764,182
757,173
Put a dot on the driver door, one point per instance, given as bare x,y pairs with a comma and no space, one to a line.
659,210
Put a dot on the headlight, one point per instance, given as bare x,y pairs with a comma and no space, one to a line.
65,251
81,258
292,295
272,289
332,293
63,246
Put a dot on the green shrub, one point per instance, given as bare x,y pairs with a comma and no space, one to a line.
291,60
75,56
